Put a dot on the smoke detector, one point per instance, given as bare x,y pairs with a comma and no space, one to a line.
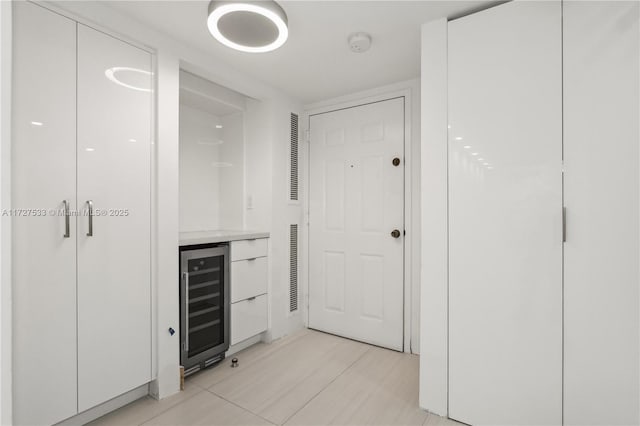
359,42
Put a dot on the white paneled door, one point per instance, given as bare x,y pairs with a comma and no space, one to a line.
505,216
356,223
114,264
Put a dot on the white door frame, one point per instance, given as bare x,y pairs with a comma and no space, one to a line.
338,104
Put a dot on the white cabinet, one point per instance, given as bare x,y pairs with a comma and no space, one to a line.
44,176
248,318
538,332
114,264
601,182
248,249
249,272
505,215
249,278
82,117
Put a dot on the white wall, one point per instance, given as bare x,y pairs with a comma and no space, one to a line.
165,238
411,89
199,188
267,155
284,214
5,203
435,239
232,172
211,170
258,160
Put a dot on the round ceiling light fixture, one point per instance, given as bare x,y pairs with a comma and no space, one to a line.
248,26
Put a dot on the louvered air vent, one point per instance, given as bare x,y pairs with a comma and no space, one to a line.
293,185
293,268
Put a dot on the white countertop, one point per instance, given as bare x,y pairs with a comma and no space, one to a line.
218,236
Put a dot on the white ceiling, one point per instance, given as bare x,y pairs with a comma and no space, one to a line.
315,64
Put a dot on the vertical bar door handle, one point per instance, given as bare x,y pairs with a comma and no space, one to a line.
564,224
186,310
90,205
67,228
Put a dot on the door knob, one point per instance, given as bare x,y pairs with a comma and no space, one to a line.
395,233
396,161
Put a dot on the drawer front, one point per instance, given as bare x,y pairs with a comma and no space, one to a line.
248,278
248,318
248,249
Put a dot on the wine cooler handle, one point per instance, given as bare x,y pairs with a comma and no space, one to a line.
186,310
90,204
67,228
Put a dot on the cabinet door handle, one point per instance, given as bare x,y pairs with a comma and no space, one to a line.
564,224
67,228
90,204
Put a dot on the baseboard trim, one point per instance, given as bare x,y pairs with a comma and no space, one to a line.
243,345
106,407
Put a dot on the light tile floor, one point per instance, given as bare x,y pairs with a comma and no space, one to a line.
309,378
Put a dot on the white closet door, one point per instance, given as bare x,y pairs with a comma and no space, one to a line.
44,261
114,137
505,200
602,192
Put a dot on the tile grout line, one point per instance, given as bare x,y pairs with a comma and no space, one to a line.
170,407
262,357
210,389
326,386
239,406
308,374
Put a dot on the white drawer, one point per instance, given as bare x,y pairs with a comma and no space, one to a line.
248,278
248,318
248,249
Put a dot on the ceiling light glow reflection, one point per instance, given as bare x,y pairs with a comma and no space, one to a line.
210,141
111,74
221,164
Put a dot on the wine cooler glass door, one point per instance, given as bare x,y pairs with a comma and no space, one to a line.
204,312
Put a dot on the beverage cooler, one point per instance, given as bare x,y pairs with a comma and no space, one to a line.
204,306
